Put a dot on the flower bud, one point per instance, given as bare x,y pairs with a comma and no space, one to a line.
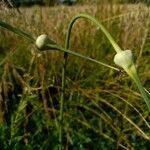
42,41
124,59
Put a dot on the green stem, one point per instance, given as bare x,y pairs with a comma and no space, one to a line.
62,102
76,54
63,92
81,56
133,74
143,93
31,39
99,24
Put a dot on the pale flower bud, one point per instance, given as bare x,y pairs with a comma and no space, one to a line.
42,41
124,59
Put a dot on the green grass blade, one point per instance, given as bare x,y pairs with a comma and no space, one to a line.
17,31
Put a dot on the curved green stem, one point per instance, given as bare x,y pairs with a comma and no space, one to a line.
133,73
99,24
73,53
32,39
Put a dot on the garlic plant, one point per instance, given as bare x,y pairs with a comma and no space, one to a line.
43,42
123,59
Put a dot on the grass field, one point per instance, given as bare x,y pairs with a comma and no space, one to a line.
103,108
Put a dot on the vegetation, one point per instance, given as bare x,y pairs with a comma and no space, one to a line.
103,109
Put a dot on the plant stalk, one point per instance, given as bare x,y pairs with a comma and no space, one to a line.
100,26
63,86
133,74
81,56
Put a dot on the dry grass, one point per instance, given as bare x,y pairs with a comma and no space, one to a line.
132,20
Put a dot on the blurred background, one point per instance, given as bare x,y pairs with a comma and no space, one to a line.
71,2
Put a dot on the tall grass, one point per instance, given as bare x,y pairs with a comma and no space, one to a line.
102,109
